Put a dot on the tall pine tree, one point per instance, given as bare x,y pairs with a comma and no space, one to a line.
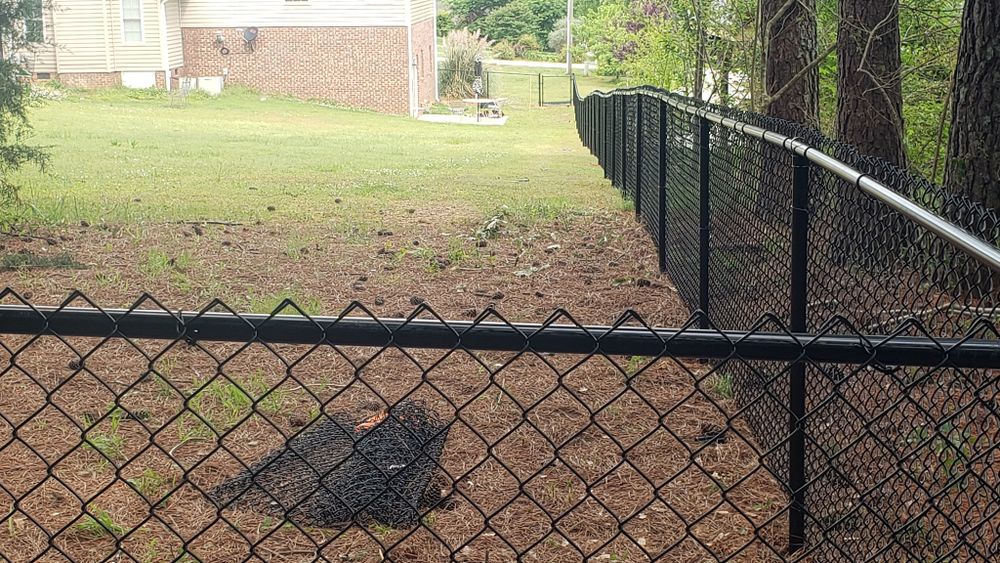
973,167
869,86
791,77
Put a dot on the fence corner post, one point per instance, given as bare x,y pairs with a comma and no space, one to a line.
797,374
704,214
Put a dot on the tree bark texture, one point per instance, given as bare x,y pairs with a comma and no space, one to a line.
699,67
973,167
869,89
788,29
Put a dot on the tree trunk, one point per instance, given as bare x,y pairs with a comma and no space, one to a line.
788,31
699,66
791,92
870,117
869,90
973,167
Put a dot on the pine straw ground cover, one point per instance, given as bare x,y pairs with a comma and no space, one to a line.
595,265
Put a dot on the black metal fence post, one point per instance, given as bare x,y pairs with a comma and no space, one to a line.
623,119
661,186
541,90
797,374
704,138
638,155
610,126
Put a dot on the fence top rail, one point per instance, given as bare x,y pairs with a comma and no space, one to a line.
623,339
984,252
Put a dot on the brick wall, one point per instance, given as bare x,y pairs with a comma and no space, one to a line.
362,67
423,54
89,79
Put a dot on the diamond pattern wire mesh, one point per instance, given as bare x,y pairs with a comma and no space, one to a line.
649,201
184,448
899,460
401,445
630,148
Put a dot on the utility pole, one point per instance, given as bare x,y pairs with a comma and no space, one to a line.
569,36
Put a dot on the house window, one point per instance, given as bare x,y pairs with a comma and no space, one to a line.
34,28
132,21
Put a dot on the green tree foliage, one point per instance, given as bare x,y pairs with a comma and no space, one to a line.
17,33
655,42
468,11
445,22
510,19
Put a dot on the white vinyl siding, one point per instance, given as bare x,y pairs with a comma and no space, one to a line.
132,21
80,30
282,13
421,10
175,48
128,55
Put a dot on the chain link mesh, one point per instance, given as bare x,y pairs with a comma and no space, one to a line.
897,459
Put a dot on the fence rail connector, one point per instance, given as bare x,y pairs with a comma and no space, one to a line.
797,374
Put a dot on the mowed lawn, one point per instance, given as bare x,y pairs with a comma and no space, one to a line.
122,157
253,199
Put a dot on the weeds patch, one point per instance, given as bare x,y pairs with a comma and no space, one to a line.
98,524
29,260
105,437
267,304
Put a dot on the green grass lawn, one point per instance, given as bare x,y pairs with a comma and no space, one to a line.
123,157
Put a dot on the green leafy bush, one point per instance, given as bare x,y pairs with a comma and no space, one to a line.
503,50
526,43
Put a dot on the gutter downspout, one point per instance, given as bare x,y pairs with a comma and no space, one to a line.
410,63
434,60
108,43
164,44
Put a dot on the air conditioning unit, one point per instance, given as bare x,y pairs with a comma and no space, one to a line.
211,84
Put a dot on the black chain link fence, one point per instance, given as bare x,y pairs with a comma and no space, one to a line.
150,435
893,462
779,429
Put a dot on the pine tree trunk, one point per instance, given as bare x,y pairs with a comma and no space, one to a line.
974,147
699,67
870,117
791,91
789,39
869,91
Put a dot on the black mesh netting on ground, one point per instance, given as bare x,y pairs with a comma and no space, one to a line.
383,469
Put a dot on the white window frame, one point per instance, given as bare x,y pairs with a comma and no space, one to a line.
142,24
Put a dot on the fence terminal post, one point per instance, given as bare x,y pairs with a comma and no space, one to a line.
797,323
704,138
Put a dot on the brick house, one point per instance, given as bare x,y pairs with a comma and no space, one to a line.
374,54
